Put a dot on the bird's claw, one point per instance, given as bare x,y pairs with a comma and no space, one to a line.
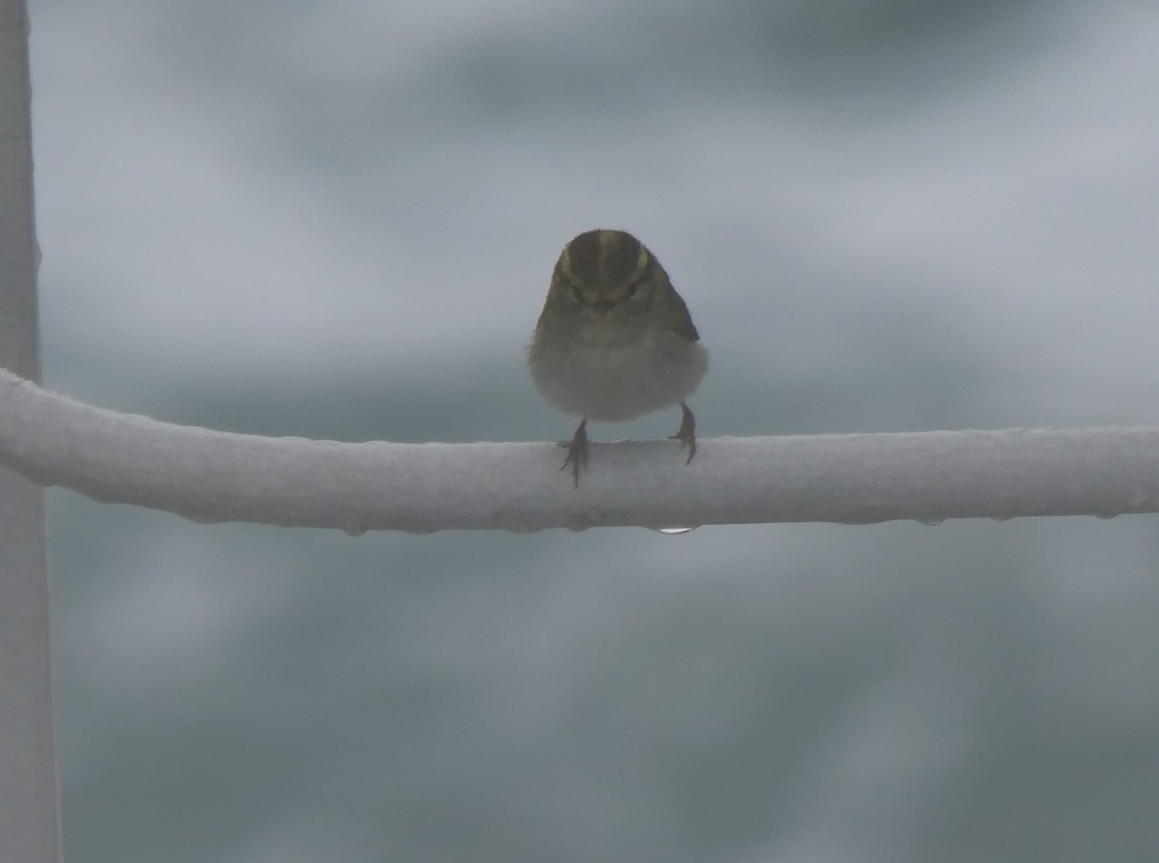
577,452
687,433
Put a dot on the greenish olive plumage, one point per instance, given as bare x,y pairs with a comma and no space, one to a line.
614,341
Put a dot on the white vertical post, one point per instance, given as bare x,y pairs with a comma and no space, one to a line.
29,807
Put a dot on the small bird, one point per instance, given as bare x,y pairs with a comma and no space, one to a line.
614,341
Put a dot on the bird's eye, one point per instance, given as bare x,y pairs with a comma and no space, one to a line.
633,290
576,294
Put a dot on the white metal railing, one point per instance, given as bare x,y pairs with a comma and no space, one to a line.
925,476
29,807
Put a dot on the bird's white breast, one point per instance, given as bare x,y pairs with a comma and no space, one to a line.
618,382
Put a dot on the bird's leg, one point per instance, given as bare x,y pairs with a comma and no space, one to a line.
687,433
577,451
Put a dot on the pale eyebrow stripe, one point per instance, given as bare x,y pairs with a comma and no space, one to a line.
642,261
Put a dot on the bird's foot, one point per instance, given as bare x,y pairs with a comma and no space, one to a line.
577,452
687,433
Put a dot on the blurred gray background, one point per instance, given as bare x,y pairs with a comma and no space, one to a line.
338,220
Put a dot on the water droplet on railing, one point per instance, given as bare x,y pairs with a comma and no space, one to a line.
354,531
674,531
930,522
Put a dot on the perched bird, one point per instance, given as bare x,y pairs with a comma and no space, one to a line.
614,341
